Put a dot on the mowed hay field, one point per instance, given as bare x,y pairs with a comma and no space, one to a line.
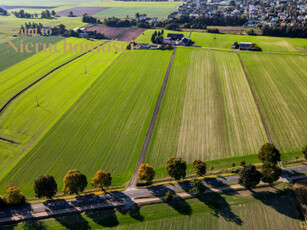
269,44
9,56
26,123
207,112
105,129
269,210
16,78
280,83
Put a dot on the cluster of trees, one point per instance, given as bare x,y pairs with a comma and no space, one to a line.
157,37
214,31
3,11
45,186
44,14
117,22
269,155
298,31
89,19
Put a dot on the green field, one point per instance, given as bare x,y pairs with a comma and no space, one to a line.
19,76
269,210
13,23
270,44
207,112
105,128
10,57
281,85
146,36
26,123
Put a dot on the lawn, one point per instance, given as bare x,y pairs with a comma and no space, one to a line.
26,123
19,76
10,57
207,112
271,44
268,210
146,36
106,127
281,85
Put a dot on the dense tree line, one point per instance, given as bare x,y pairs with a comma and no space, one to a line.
298,31
3,11
44,14
89,19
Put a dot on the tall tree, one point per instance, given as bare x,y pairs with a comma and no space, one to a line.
270,153
45,186
102,180
249,177
13,195
176,168
146,172
270,172
200,167
74,182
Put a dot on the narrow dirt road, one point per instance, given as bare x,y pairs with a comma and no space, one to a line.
152,122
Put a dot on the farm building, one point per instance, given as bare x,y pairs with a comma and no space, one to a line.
175,36
176,39
245,45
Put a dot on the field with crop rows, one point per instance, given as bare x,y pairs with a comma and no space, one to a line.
105,129
19,76
269,211
207,111
271,44
281,85
10,57
25,122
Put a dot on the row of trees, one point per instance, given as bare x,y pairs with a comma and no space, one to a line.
44,14
46,186
298,31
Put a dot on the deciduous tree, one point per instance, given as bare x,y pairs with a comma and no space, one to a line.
200,167
270,172
197,187
176,168
74,182
45,186
249,177
270,153
102,180
13,195
146,172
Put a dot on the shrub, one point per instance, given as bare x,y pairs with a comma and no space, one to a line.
169,196
200,167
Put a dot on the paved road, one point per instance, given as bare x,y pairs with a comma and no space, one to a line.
128,196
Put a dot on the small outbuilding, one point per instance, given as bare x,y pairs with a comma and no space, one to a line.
245,45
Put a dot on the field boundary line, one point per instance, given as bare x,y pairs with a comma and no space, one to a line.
262,117
141,159
41,78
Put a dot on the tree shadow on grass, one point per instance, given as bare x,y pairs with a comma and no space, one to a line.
70,221
129,208
178,203
216,203
283,201
105,218
33,225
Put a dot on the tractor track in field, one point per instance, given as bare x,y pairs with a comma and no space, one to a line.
141,159
262,117
3,108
